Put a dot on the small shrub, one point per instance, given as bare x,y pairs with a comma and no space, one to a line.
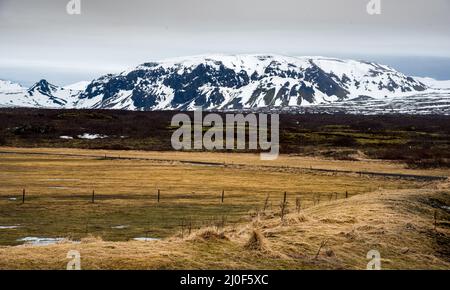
31,129
2,140
345,141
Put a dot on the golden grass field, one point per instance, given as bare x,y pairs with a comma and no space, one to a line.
197,230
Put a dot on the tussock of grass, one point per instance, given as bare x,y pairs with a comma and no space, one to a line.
256,242
294,219
338,221
210,235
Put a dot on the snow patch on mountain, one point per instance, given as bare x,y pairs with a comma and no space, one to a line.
10,93
11,87
434,84
79,86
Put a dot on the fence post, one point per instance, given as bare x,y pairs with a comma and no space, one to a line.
435,219
223,195
298,204
266,203
23,196
159,194
283,205
93,196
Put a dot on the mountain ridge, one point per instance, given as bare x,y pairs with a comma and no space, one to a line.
232,82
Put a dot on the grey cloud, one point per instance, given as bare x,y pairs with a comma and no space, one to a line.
112,33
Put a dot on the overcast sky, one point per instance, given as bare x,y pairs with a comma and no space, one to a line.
38,39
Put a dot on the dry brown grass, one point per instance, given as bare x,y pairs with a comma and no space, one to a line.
398,223
59,190
284,160
256,242
209,234
393,216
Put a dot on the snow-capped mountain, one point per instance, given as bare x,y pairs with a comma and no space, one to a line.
244,82
234,82
42,95
10,93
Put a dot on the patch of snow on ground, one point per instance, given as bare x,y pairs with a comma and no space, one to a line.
120,227
146,239
92,136
35,241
